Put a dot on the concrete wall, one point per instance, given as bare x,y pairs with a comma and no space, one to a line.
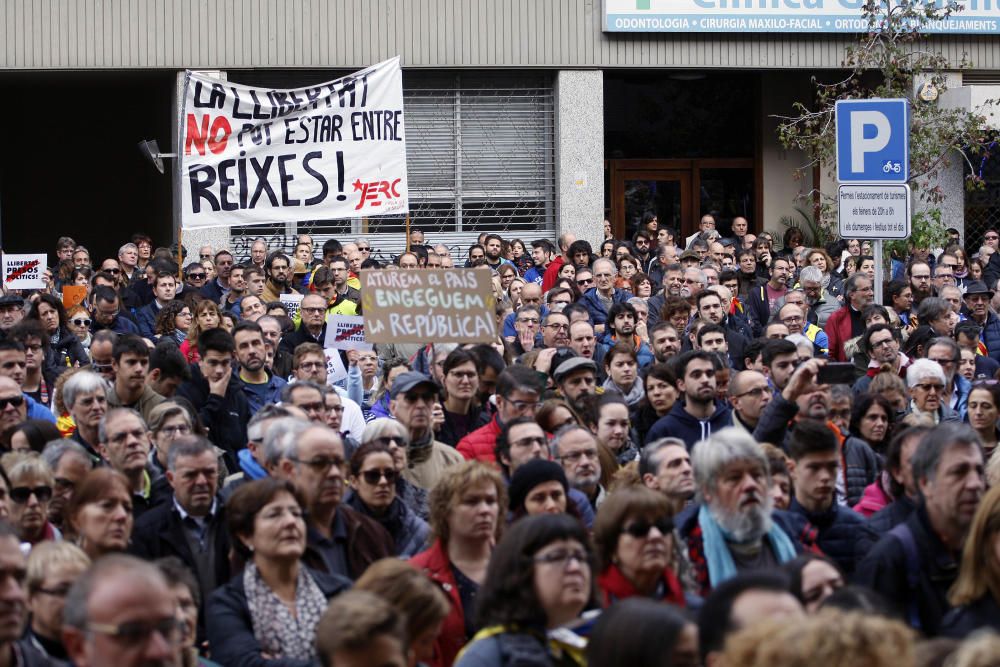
580,154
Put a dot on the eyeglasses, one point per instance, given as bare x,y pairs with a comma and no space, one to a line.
936,388
84,322
563,557
881,343
524,405
101,368
390,440
21,494
180,429
113,272
557,327
137,633
573,457
363,248
945,361
585,281
320,464
64,484
528,442
309,365
756,392
373,477
312,310
791,320
640,529
991,237
197,276
16,401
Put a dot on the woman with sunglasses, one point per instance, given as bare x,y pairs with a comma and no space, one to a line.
633,535
78,323
393,435
31,483
539,580
65,349
373,478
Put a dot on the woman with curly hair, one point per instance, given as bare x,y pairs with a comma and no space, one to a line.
207,315
173,321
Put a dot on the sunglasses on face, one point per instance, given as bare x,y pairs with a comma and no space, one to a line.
16,401
85,322
21,494
640,529
373,477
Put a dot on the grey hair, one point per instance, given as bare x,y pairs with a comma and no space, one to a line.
649,459
939,439
932,308
83,382
614,269
127,246
55,450
561,434
924,368
637,299
188,445
801,340
702,278
851,284
75,611
289,389
383,426
950,343
255,427
280,437
115,413
811,274
710,456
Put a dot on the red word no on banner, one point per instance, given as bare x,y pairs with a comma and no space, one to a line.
216,135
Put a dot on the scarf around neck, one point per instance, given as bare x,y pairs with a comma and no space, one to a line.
721,566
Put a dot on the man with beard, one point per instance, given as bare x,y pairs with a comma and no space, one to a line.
821,304
733,529
673,279
575,449
803,398
575,377
847,322
692,284
192,527
339,539
881,343
259,386
762,300
664,341
665,466
842,534
920,281
541,256
494,251
278,268
737,332
916,563
699,415
599,299
621,325
130,363
124,444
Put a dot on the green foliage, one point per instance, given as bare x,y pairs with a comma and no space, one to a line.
887,62
928,232
815,233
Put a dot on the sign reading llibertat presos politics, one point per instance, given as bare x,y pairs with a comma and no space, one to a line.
252,155
814,16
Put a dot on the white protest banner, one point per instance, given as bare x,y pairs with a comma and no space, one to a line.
24,271
335,369
346,332
292,303
256,155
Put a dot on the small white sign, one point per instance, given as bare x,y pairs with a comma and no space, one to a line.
346,332
335,369
874,211
24,271
292,303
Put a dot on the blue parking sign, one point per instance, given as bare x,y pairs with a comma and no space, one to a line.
873,141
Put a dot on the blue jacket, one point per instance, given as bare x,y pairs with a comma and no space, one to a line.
964,388
230,626
36,410
120,325
272,393
145,317
644,354
842,534
991,335
679,423
598,313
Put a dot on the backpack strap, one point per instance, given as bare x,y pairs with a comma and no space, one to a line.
902,533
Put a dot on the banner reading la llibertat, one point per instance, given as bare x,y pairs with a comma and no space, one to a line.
256,155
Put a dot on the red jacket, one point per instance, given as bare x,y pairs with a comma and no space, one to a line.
614,587
552,273
838,330
480,445
434,563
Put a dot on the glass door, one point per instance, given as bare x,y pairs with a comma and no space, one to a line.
637,194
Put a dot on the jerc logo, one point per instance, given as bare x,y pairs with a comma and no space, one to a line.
373,192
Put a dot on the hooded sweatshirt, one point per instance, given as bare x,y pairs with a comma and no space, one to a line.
679,423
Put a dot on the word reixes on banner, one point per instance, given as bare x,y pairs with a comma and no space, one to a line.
257,155
24,271
439,305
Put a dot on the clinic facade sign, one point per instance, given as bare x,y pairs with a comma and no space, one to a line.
980,17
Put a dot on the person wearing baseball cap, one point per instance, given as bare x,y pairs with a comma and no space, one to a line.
575,376
11,311
412,401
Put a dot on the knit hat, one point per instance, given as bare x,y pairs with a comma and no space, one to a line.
530,475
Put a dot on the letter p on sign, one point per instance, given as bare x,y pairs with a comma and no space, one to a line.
873,141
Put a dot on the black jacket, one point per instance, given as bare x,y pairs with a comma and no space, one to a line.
225,417
963,621
67,352
891,515
842,534
889,572
450,436
367,542
230,626
160,532
291,341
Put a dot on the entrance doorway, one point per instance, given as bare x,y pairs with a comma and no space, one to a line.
678,192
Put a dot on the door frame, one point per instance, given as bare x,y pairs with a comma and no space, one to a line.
620,170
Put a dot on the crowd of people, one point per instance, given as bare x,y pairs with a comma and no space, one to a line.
676,451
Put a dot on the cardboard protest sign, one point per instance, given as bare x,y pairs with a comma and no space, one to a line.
254,155
292,303
431,305
345,332
73,295
24,271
